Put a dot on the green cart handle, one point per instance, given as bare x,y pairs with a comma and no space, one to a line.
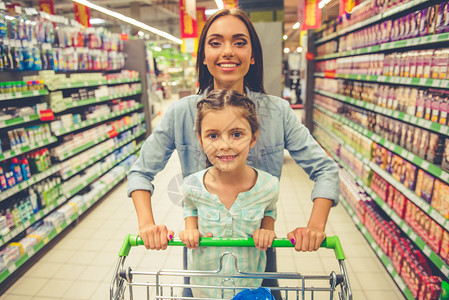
331,242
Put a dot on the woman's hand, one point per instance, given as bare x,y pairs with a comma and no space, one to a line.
263,238
156,237
306,238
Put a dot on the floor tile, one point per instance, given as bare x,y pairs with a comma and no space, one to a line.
28,286
55,288
69,271
81,290
44,270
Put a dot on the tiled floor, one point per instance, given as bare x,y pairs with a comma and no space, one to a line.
81,265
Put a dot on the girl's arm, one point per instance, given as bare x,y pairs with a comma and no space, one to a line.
155,237
190,236
263,237
310,238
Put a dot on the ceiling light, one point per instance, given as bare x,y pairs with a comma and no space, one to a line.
299,49
285,37
219,4
296,26
210,12
95,21
286,50
129,20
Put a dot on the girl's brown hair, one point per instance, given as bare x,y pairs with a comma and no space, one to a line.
219,99
254,78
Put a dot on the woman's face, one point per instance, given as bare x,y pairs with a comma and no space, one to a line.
228,53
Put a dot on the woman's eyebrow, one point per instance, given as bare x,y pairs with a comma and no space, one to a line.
217,35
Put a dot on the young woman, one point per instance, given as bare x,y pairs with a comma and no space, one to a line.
230,198
230,57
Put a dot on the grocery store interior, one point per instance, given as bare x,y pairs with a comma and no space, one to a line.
84,83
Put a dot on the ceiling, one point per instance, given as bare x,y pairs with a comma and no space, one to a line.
164,14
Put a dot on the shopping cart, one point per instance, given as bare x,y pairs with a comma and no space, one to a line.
158,284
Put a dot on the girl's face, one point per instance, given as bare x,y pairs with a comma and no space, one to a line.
226,138
228,53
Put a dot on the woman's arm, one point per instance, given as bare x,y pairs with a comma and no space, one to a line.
155,237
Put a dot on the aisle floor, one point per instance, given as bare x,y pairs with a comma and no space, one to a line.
80,266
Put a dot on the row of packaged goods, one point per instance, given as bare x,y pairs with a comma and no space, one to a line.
366,10
430,20
32,42
407,260
429,104
19,169
45,193
432,190
430,63
41,230
430,146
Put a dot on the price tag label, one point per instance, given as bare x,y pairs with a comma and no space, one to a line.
436,83
444,130
396,115
379,252
406,118
12,268
413,119
445,83
437,216
381,78
422,81
86,83
444,176
434,38
413,236
69,85
409,43
426,250
46,240
425,165
399,282
425,206
390,268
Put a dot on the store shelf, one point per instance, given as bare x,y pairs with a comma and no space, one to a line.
25,94
411,81
419,41
96,120
433,257
88,83
426,124
13,153
370,21
11,269
94,142
25,184
98,100
19,120
383,258
418,161
98,174
81,167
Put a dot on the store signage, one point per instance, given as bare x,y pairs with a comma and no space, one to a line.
200,19
346,6
47,6
188,24
230,4
312,15
82,14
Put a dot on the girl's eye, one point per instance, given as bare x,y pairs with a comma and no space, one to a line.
237,135
213,136
240,43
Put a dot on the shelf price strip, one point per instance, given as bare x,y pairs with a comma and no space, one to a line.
383,258
96,120
425,40
25,94
372,20
423,164
435,258
427,124
78,84
18,121
24,149
12,268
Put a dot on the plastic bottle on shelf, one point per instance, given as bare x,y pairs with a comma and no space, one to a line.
15,168
10,179
16,215
33,200
9,219
3,183
25,167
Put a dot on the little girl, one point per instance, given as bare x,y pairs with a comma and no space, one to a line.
230,198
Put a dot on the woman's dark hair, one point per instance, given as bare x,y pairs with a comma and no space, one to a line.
254,78
219,99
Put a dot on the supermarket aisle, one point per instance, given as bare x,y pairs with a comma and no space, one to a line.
81,265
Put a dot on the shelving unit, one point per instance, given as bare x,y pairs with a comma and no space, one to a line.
56,168
423,42
406,229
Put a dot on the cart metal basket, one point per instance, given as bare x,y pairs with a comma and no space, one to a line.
159,284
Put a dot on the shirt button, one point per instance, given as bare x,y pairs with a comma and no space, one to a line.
208,215
229,214
252,218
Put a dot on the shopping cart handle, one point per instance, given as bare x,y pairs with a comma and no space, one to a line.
331,242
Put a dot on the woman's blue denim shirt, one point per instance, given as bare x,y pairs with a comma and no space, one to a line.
279,129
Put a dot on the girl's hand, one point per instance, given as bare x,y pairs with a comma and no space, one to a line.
191,237
306,238
156,237
263,238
